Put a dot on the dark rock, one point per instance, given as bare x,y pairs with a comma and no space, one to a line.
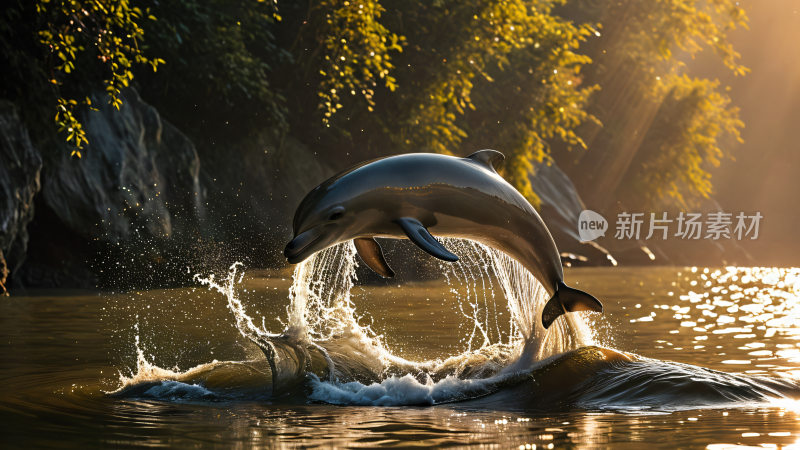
137,211
20,165
132,201
136,174
561,205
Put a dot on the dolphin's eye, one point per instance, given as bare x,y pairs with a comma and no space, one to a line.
337,213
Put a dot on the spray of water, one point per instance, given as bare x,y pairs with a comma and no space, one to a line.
321,317
321,312
480,272
320,306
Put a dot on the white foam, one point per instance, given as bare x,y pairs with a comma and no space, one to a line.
147,372
400,391
175,390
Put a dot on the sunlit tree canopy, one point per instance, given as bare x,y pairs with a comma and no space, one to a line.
373,77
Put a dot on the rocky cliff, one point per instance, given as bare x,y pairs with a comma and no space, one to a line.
139,209
254,184
560,208
562,204
20,165
134,193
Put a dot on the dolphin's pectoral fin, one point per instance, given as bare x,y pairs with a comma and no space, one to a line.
370,252
567,299
487,158
422,237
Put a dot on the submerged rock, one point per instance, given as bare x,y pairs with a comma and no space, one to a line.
20,165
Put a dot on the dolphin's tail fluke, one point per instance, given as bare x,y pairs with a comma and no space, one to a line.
567,300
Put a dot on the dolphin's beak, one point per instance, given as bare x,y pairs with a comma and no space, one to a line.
302,246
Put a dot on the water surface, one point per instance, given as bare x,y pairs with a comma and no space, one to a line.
683,356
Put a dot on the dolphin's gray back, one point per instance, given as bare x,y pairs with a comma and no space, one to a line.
456,197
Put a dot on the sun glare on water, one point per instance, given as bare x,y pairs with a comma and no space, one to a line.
750,316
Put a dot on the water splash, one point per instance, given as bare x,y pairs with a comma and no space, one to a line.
227,287
145,370
320,306
325,347
321,311
479,273
152,381
322,326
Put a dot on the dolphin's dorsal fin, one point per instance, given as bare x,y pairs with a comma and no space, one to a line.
487,158
422,237
370,252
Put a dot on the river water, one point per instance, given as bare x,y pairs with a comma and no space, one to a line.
682,357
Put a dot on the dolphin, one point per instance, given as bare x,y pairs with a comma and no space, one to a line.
419,195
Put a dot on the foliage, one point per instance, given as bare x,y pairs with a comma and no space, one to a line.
684,140
356,53
542,98
86,36
639,64
221,56
657,29
527,77
470,73
510,75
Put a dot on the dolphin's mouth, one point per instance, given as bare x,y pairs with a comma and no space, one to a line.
302,246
